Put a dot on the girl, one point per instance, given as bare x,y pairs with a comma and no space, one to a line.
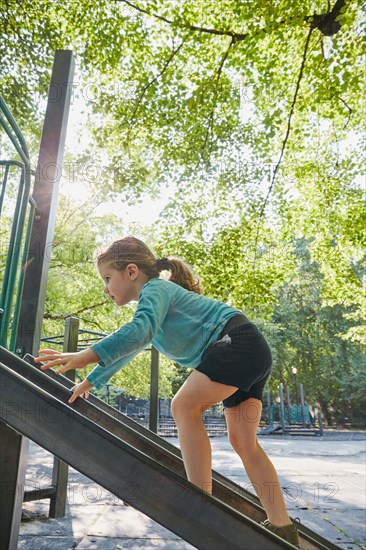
230,359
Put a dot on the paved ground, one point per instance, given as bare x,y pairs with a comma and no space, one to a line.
323,480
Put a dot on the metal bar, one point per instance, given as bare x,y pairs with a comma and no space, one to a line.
320,421
11,163
60,471
12,481
3,186
13,460
71,340
12,260
154,446
18,301
45,193
58,497
302,401
18,134
18,220
288,398
16,137
10,135
282,408
54,340
167,498
269,409
45,198
38,494
288,405
154,391
84,331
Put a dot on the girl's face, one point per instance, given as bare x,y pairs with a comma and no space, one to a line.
120,285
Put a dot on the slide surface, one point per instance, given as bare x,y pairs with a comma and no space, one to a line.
133,463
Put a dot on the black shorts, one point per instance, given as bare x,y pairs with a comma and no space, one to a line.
240,357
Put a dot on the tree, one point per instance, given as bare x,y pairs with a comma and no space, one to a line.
308,334
184,71
253,110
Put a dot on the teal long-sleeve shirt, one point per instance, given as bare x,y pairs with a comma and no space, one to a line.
179,323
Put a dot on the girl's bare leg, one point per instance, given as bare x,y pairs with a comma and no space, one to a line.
242,422
197,394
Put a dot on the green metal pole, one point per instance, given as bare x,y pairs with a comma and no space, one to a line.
12,262
15,135
21,278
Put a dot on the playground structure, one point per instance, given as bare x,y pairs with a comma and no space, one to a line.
76,338
152,412
33,403
291,419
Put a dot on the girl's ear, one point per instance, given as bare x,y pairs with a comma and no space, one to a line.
132,271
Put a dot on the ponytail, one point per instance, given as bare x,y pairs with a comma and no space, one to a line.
129,249
180,273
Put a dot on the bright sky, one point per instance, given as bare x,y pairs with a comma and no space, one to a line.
144,213
77,140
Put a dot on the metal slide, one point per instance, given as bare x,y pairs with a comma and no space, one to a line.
133,463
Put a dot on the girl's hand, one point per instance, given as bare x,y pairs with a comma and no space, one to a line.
67,361
81,390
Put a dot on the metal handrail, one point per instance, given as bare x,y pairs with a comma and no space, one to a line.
13,260
14,132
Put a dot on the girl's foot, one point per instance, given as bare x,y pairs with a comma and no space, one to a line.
287,532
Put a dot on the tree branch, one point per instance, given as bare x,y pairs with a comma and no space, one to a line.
75,313
236,36
89,322
349,113
284,143
87,215
218,76
149,84
326,22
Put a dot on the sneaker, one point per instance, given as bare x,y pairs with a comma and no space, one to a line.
287,532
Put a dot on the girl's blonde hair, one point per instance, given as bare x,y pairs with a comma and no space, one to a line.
131,250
